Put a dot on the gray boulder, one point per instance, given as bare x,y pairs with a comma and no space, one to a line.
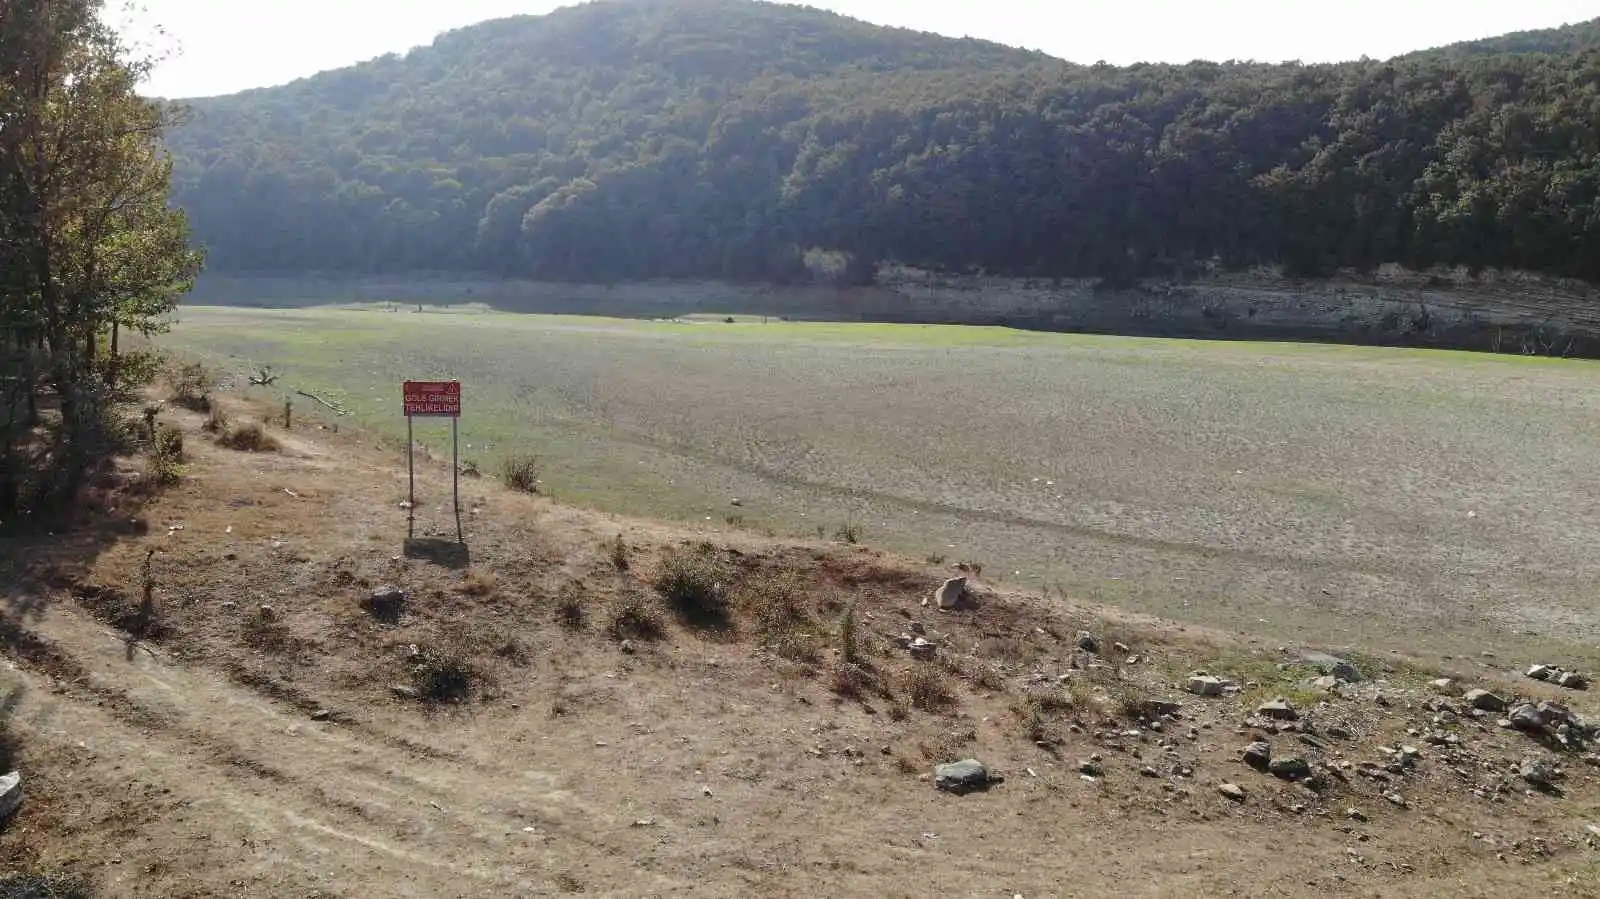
1485,701
1343,669
964,776
1087,642
1542,672
1278,709
1572,680
952,594
1206,685
1258,755
1290,768
10,795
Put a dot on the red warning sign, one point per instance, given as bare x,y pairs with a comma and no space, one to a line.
439,399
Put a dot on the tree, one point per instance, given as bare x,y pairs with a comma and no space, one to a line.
89,243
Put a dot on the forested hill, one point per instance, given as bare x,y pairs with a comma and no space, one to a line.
1570,39
725,138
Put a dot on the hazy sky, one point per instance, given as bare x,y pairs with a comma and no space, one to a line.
222,46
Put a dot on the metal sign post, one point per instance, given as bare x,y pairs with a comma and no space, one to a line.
433,399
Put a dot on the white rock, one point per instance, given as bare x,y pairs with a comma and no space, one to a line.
952,593
10,794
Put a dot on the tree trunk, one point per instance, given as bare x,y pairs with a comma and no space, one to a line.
111,364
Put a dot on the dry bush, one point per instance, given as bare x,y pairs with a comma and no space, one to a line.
853,681
694,584
570,611
927,689
511,649
478,583
216,422
444,674
520,471
633,616
619,554
263,631
849,649
191,386
778,605
35,885
249,438
166,455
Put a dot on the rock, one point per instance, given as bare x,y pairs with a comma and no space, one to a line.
1258,755
1543,672
1278,709
1232,791
386,602
1540,772
1291,768
404,691
735,502
920,648
10,795
1340,732
1327,683
1087,642
1446,686
1554,713
1091,768
1120,647
1484,701
1148,771
321,715
1159,708
1572,680
266,612
1526,718
1206,685
1355,814
952,594
963,777
627,647
1395,799
1343,669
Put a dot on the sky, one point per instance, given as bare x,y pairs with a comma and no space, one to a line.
212,47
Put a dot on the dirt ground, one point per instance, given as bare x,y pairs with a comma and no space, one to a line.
252,729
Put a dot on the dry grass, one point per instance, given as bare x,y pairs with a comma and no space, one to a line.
444,674
695,585
249,438
520,472
779,607
633,616
264,632
927,688
571,611
478,583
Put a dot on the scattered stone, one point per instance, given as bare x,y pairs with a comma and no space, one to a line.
921,649
1355,814
1159,708
386,602
952,594
266,612
1446,686
1278,709
1395,799
1542,672
1206,685
1148,771
1291,768
1091,768
1340,732
735,502
1327,683
1120,647
321,715
1343,669
1572,680
963,777
1526,718
627,648
404,691
1540,772
10,794
1484,701
1258,755
1232,791
1087,642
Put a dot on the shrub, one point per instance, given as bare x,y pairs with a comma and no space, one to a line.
520,471
849,651
849,532
33,885
632,616
443,675
693,584
478,583
778,606
569,609
262,630
191,386
619,554
927,689
166,455
250,438
216,422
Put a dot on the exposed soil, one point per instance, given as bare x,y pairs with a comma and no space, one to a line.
268,729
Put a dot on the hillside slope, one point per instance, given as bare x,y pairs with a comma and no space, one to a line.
728,139
536,720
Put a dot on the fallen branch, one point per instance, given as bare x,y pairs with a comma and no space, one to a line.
335,408
265,379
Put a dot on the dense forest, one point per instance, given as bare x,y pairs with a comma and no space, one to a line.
724,138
